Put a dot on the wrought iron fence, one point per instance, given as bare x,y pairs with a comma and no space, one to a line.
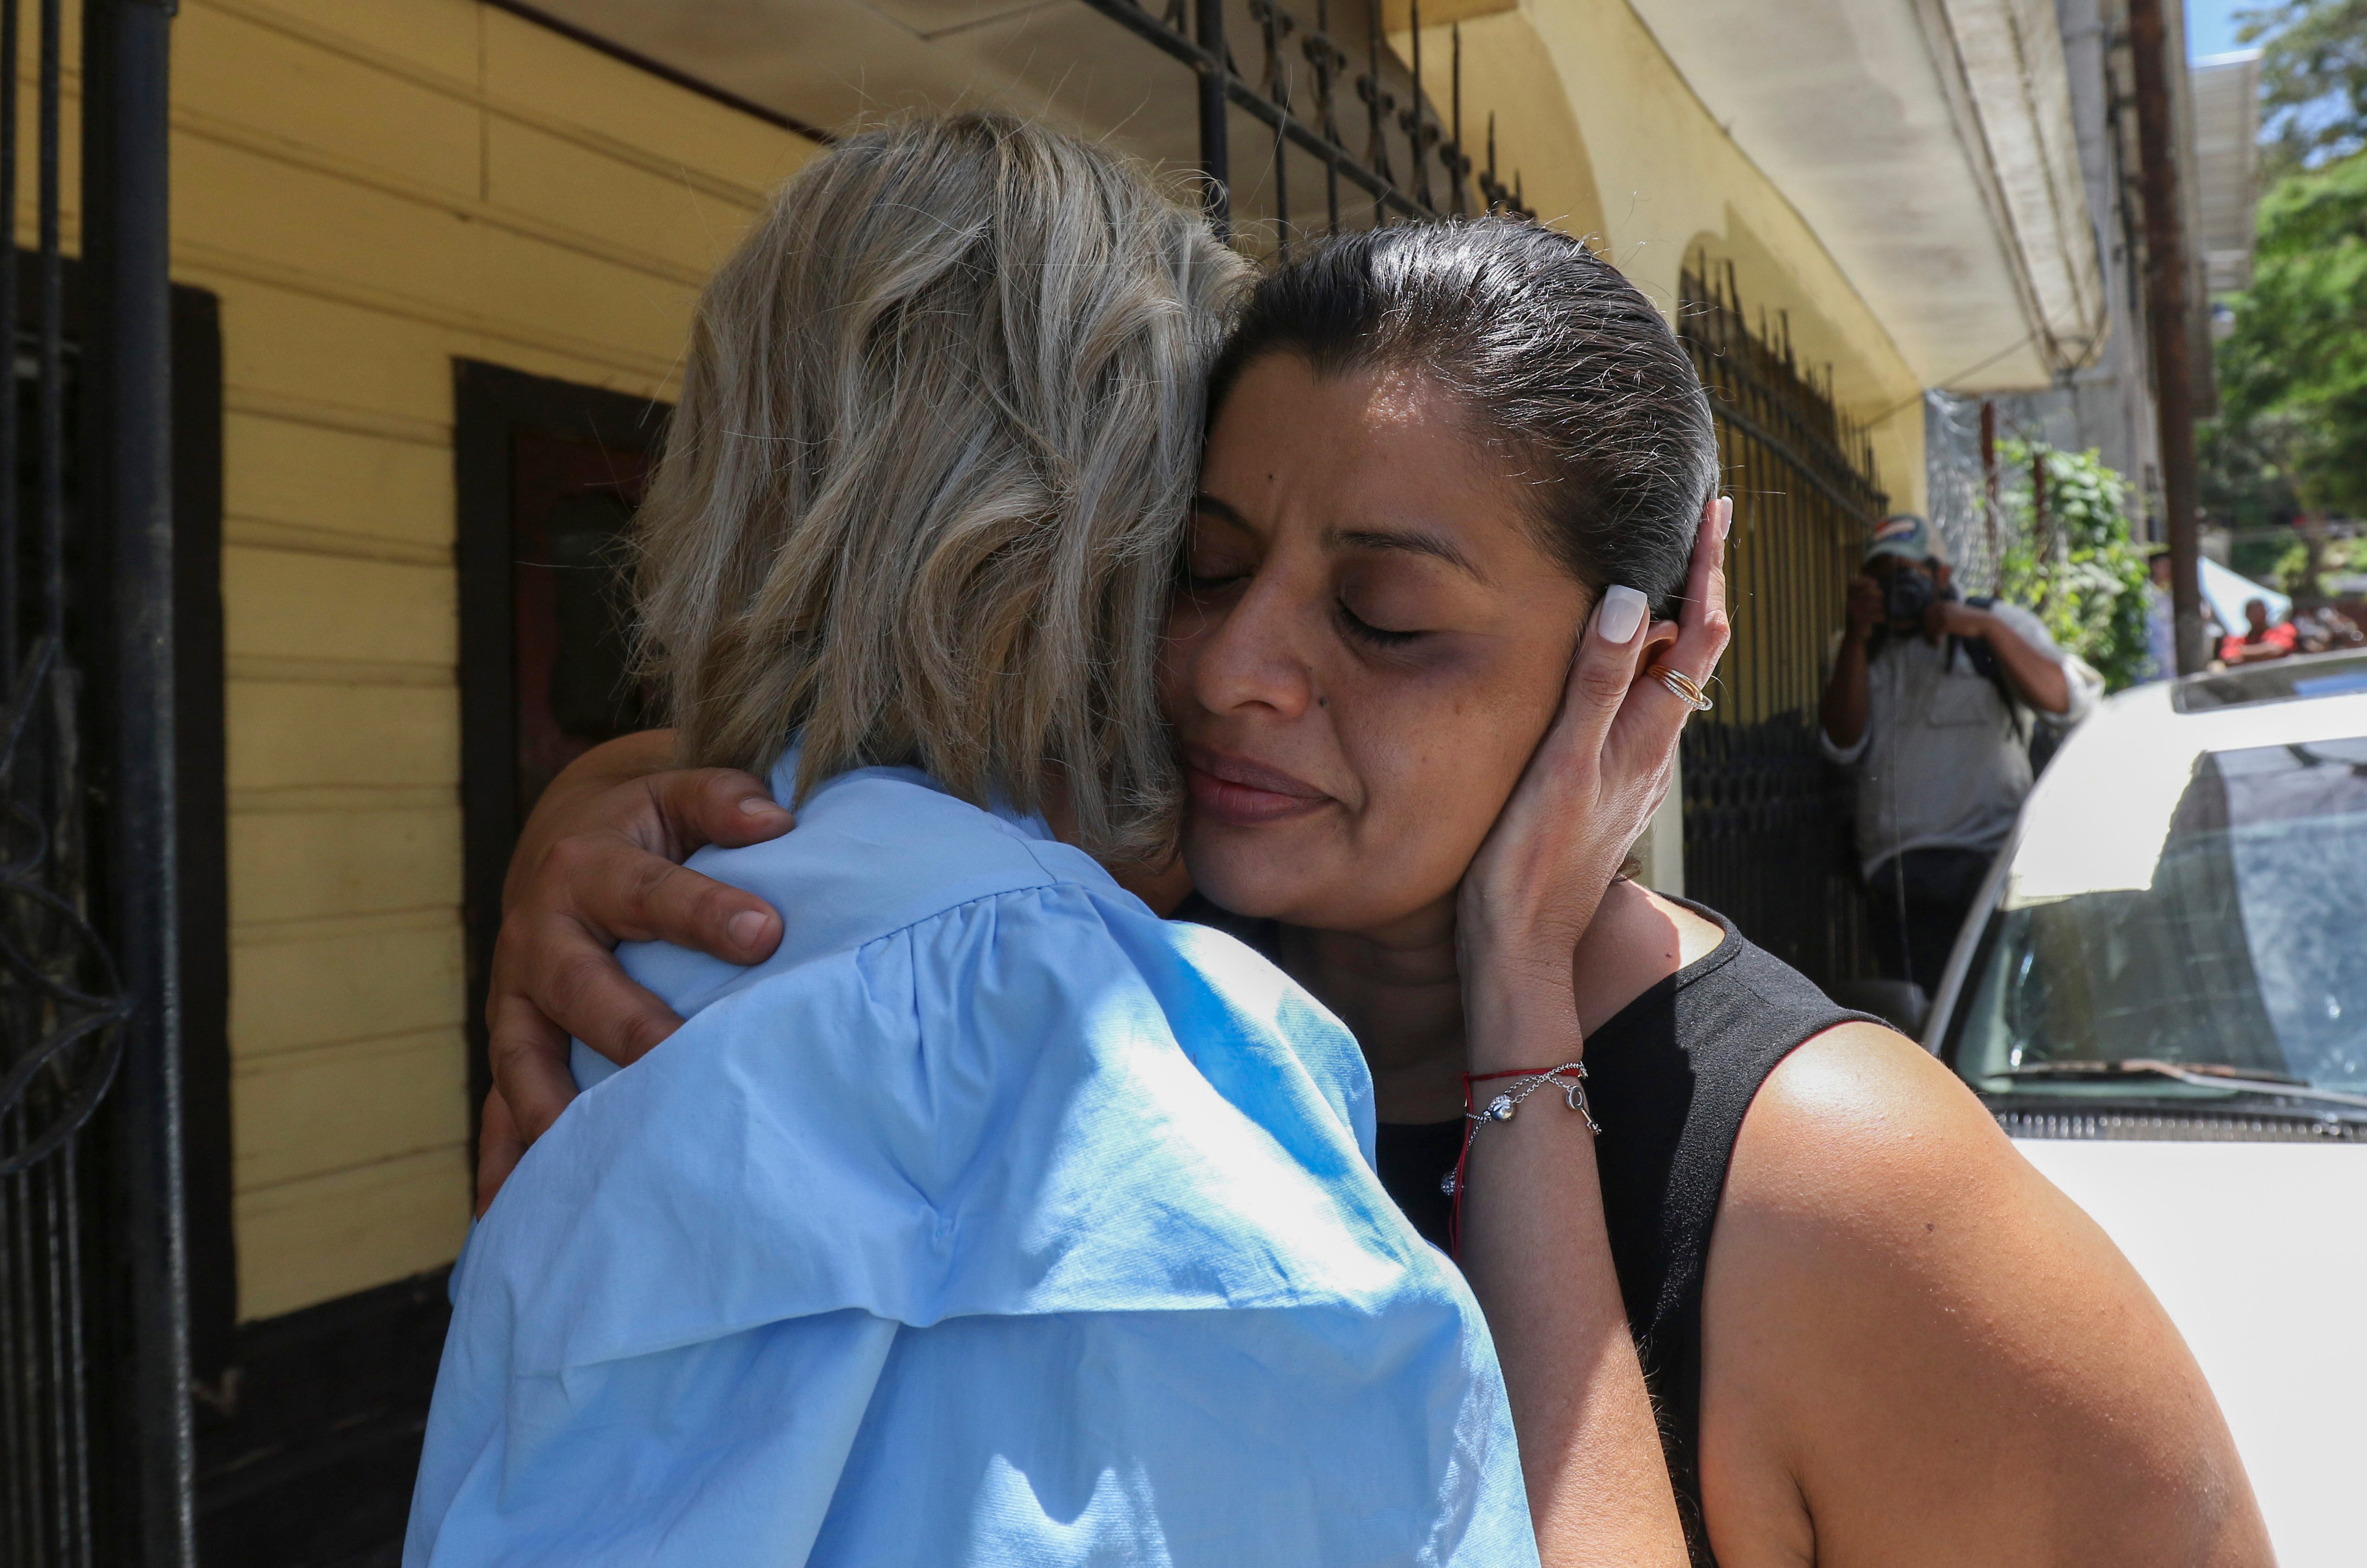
1321,88
93,1419
1766,818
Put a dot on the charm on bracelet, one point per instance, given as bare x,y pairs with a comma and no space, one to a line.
1569,1077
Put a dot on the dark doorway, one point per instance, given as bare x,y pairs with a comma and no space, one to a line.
570,516
551,474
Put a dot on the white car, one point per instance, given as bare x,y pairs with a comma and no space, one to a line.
2162,996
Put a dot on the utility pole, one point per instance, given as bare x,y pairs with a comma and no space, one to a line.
2165,320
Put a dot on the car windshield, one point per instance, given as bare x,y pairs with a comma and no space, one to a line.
2248,949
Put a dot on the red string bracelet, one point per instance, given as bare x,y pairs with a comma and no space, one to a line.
1501,1108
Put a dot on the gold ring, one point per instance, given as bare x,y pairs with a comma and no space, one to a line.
1687,690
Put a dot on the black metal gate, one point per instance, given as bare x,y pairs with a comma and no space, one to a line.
1766,820
94,1359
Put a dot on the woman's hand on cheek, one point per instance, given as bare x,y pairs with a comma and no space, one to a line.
1594,782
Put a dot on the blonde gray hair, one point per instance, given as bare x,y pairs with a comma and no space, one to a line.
923,496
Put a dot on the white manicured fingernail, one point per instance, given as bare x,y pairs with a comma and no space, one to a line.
1622,615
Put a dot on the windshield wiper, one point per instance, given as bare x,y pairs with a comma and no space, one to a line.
2202,1075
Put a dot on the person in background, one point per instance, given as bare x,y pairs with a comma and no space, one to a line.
2259,641
1929,703
2326,629
2161,620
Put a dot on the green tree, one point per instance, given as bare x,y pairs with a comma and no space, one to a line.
2292,432
2293,375
2242,468
2076,569
2313,81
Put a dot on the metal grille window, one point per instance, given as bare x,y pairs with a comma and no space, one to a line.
1765,821
1339,116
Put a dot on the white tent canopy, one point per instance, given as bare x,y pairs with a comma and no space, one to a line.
2228,593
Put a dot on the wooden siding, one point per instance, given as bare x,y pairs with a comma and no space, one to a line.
374,190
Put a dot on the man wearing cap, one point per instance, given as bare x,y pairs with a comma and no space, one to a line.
1930,702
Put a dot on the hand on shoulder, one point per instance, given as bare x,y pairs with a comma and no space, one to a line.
1917,1349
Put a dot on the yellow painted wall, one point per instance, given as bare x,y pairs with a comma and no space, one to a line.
375,187
1610,140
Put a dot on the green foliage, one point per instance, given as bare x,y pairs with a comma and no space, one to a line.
2292,434
2293,566
2293,375
2079,572
2313,80
2261,559
2240,466
2303,579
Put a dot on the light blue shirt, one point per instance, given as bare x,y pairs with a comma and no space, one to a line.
991,1221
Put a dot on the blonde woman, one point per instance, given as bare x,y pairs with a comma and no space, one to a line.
990,1219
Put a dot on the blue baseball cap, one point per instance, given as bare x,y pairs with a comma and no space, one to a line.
1908,537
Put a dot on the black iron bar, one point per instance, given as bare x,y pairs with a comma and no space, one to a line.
1458,167
1417,118
1327,59
1275,24
65,1402
1215,157
66,1174
1377,101
127,480
50,345
20,1399
11,563
1342,163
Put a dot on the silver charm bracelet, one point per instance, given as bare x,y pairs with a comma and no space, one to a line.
1501,1108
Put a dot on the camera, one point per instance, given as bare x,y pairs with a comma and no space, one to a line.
1906,594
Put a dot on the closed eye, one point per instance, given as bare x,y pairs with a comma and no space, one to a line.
1364,631
1198,585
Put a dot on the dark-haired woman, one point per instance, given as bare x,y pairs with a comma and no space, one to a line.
1875,1334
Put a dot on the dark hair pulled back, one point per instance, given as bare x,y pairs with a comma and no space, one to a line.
1556,358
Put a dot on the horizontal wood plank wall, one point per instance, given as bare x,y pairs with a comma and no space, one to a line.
374,189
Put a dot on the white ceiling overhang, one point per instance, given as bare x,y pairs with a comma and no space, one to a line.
1930,146
1929,143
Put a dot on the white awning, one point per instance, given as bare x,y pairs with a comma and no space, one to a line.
1931,145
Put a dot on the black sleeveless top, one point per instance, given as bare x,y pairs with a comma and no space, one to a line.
1669,1079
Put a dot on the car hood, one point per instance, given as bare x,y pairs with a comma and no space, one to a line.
2259,1252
